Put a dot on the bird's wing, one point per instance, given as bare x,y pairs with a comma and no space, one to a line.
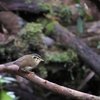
20,59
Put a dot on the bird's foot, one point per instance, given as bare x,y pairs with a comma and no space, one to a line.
27,72
31,73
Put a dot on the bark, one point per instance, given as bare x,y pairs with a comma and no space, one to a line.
91,35
68,39
21,5
48,85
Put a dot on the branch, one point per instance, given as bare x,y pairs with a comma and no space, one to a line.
23,5
68,39
48,85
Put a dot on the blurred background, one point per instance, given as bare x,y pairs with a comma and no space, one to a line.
25,27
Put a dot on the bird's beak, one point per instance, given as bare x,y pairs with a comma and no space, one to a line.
42,60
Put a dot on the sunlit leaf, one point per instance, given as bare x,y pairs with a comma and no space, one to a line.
9,78
5,81
4,96
12,95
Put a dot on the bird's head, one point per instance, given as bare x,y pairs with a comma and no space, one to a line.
37,58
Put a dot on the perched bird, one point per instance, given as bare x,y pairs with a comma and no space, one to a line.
27,62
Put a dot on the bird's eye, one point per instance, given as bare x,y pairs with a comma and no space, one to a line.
34,57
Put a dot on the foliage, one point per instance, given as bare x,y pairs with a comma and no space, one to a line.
32,28
50,27
66,13
80,24
68,56
77,1
6,80
4,95
98,46
30,35
48,7
8,95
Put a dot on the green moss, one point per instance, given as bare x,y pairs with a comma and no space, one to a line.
65,12
50,27
44,22
31,35
31,28
45,6
68,56
29,39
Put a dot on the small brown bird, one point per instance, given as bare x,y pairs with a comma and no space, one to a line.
27,62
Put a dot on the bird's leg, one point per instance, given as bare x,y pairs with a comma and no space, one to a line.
30,73
23,69
27,71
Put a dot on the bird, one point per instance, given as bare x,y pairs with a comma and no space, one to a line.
27,62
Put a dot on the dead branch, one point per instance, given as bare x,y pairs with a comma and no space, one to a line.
23,5
68,39
87,79
48,85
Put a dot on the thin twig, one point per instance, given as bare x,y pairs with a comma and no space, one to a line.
87,79
3,6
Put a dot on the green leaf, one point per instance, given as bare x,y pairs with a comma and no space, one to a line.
77,1
10,79
89,17
98,46
4,96
6,80
80,24
81,12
